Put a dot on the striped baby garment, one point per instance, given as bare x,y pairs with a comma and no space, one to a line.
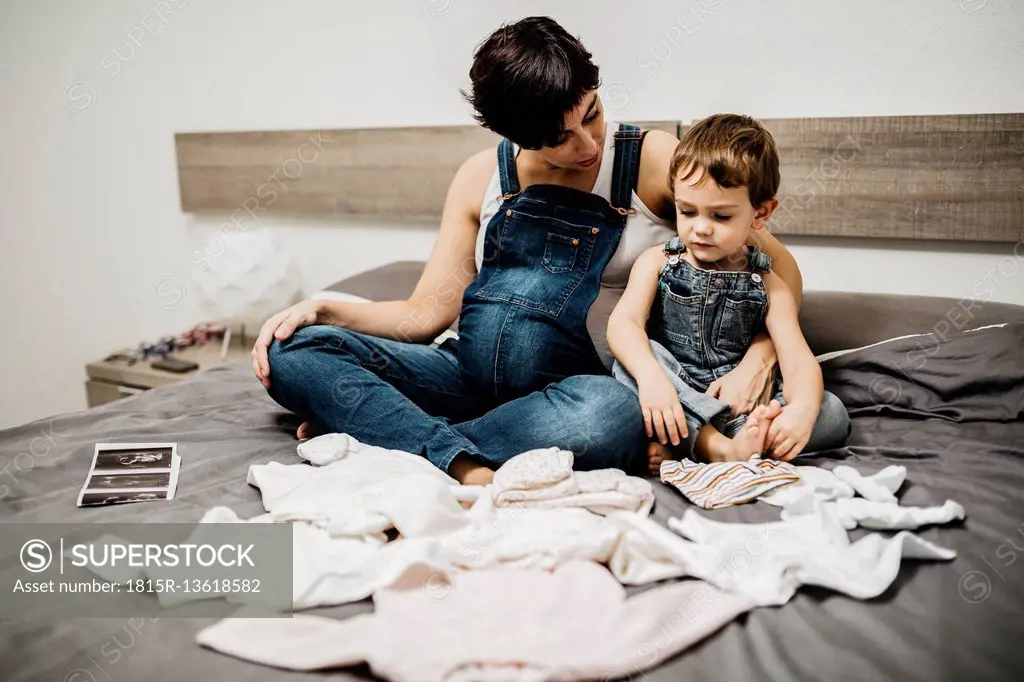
723,484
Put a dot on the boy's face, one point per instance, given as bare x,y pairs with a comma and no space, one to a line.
714,221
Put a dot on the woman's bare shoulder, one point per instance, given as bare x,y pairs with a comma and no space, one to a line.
472,178
652,184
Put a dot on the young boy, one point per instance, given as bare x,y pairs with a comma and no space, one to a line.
693,306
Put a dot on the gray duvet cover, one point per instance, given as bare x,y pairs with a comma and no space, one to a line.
950,412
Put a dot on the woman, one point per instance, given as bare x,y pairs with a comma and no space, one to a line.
530,237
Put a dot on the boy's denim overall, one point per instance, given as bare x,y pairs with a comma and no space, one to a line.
523,373
701,325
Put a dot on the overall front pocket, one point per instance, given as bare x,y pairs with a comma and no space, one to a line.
560,253
678,318
739,321
538,262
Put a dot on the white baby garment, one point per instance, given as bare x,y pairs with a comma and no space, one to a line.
499,624
769,561
823,491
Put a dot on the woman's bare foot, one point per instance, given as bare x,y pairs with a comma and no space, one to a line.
749,440
469,472
656,454
306,431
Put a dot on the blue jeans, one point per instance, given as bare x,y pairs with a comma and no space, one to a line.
415,398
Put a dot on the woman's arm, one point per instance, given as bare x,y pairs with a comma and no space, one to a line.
437,299
783,263
754,372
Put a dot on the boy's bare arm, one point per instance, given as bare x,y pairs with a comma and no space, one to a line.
627,325
803,384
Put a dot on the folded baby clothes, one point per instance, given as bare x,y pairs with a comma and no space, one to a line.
723,484
574,623
544,479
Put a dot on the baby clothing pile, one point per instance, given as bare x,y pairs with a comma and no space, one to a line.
542,549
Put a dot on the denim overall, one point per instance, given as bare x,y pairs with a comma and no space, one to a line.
523,320
707,319
701,324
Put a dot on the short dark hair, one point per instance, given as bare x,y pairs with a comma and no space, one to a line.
526,77
734,151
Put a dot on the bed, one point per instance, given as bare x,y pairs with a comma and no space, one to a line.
954,420
946,402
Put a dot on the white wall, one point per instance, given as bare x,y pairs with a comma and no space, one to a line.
93,93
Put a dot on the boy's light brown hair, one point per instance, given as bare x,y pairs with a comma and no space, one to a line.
734,151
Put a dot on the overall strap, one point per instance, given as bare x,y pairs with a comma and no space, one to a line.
507,169
628,141
758,260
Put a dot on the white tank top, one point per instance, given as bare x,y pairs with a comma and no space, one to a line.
643,230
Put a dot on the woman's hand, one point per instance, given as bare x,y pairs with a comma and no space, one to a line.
281,326
745,387
662,412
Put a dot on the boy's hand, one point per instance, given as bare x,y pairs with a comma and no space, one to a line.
790,431
662,412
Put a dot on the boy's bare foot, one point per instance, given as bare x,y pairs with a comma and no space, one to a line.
306,431
771,411
656,454
749,440
469,472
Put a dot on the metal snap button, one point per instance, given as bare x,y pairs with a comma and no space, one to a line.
673,261
594,230
508,212
575,242
719,283
756,277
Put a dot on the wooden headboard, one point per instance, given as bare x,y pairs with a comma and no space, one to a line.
916,177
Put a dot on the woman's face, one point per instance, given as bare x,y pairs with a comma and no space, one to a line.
582,140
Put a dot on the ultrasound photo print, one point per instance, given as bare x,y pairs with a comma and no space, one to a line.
117,460
129,480
90,499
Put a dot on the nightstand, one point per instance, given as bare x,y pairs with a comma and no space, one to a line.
114,379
